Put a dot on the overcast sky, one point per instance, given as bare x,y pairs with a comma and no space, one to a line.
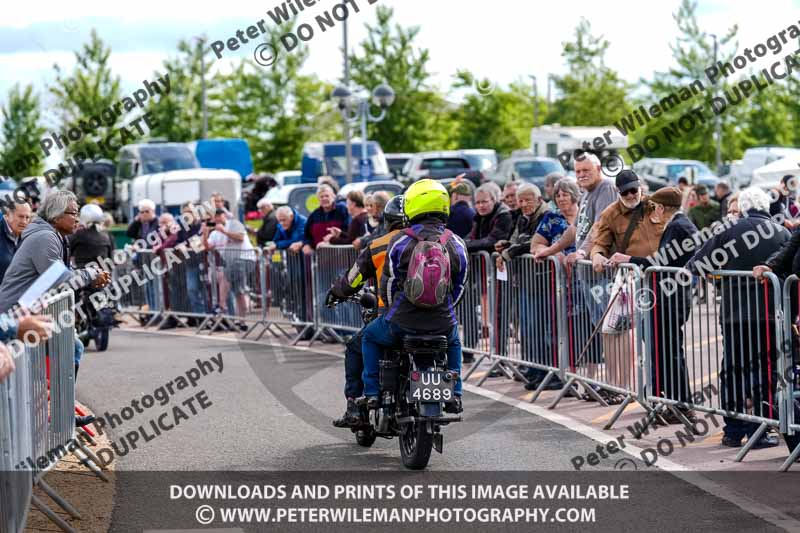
503,40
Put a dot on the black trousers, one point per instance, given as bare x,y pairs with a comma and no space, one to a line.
669,376
749,372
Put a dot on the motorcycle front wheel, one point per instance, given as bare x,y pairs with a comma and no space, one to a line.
416,444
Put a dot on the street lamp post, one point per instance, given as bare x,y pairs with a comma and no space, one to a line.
535,102
356,110
717,123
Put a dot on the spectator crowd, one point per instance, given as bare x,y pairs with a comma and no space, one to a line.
603,221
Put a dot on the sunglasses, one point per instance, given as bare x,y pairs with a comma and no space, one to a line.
629,192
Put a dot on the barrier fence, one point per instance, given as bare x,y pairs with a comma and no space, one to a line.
619,335
37,420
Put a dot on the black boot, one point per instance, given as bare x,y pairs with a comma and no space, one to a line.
454,407
351,417
81,421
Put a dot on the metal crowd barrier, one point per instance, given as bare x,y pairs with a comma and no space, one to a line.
286,278
791,375
234,278
144,297
37,419
604,347
187,292
474,313
16,445
528,317
330,263
724,359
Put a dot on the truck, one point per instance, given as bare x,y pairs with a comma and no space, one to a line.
233,154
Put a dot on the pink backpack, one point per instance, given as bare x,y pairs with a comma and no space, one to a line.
428,280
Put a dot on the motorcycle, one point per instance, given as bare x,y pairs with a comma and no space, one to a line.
415,385
94,324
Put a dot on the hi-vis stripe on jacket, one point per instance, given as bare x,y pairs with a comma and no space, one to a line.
368,265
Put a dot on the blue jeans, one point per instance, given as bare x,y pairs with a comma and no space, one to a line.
380,334
354,366
78,351
195,289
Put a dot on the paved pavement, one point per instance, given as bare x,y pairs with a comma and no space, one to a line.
270,414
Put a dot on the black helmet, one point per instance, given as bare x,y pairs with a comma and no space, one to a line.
393,213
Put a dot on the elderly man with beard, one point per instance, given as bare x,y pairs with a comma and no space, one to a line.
627,228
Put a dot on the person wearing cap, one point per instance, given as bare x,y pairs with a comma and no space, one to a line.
461,211
706,212
669,377
783,208
627,227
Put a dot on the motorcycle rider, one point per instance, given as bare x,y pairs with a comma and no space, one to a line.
426,205
369,265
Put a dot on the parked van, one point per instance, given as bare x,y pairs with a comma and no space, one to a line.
770,175
742,174
328,159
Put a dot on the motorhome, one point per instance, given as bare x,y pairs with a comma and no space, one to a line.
560,142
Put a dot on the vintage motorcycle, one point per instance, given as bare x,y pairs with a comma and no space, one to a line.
415,385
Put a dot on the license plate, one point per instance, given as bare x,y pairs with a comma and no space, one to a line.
430,387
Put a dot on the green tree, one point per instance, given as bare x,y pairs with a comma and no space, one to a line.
276,109
420,118
693,53
491,117
87,92
20,154
179,114
591,94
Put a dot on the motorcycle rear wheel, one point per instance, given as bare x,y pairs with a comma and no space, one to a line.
416,444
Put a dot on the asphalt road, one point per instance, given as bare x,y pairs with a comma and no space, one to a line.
267,418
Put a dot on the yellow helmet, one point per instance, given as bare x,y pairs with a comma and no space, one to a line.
426,196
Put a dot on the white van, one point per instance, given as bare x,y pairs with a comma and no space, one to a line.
757,157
